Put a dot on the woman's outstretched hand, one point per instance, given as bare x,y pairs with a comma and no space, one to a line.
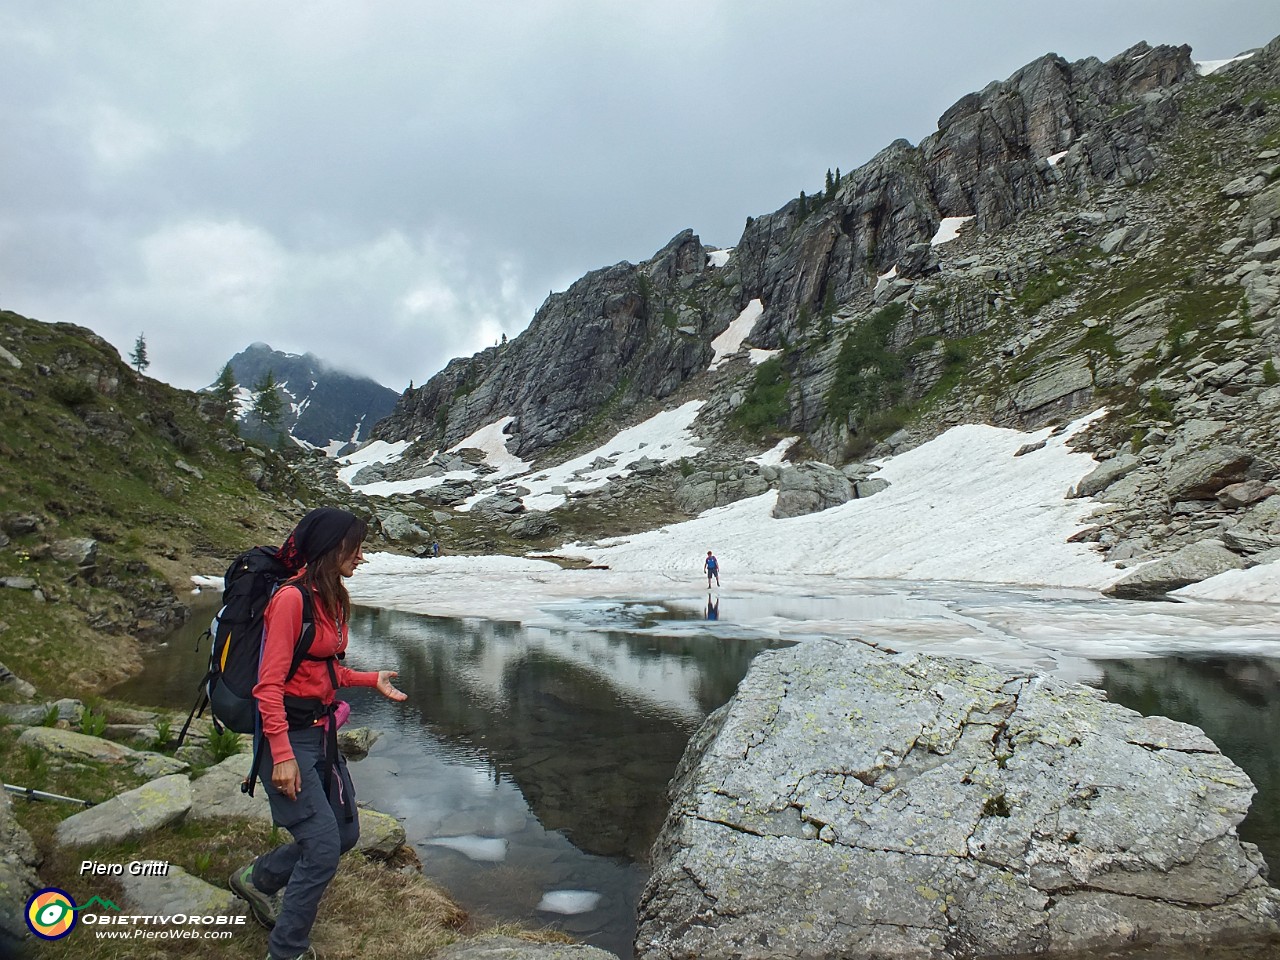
386,688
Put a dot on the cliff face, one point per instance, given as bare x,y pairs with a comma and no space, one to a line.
1047,165
988,160
617,336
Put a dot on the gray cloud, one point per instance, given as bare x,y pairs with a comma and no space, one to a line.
390,185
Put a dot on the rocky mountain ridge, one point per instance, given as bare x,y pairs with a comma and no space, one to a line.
1116,251
628,333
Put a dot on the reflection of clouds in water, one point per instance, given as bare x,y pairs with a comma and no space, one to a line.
409,779
488,652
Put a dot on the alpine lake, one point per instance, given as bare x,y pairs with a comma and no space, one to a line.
529,765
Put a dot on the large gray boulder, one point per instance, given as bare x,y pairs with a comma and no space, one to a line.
11,681
705,489
216,795
810,488
178,892
1200,474
534,524
398,526
1193,563
853,803
130,815
1105,474
75,747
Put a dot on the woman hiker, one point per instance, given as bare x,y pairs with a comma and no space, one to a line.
305,775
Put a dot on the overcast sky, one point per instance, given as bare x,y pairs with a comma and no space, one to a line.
392,183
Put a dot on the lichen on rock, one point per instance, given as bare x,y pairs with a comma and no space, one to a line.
853,802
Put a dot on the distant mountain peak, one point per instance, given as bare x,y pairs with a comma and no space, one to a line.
323,406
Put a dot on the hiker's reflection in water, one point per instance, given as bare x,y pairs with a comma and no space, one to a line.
713,607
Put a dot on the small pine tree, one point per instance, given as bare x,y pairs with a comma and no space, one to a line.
139,356
802,211
1269,375
267,405
224,391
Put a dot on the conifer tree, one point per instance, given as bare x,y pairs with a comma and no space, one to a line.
267,405
224,391
139,356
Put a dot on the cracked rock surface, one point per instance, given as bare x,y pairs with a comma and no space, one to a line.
849,802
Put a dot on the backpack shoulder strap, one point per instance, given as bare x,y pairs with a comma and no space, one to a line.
305,636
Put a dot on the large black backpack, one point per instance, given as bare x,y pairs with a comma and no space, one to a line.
236,641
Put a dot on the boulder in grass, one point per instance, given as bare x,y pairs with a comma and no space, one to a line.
130,815
381,834
178,892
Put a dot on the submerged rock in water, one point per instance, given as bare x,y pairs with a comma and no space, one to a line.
850,802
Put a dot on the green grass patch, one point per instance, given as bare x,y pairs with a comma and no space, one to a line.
869,376
764,407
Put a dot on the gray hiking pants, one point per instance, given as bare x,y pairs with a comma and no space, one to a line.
318,820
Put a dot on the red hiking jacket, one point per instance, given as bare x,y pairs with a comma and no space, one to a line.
283,620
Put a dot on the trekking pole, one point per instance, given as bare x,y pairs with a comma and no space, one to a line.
32,794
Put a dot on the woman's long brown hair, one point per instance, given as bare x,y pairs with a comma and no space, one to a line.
324,579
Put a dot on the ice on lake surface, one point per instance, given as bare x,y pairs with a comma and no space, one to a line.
484,849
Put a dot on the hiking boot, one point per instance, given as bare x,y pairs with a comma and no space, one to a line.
308,954
265,907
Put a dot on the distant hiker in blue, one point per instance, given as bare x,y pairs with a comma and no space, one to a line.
712,566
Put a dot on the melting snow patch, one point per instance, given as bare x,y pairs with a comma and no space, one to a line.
568,901
492,439
663,438
892,272
760,356
729,342
483,849
772,458
961,507
377,451
1057,158
948,230
718,258
1207,67
1260,584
